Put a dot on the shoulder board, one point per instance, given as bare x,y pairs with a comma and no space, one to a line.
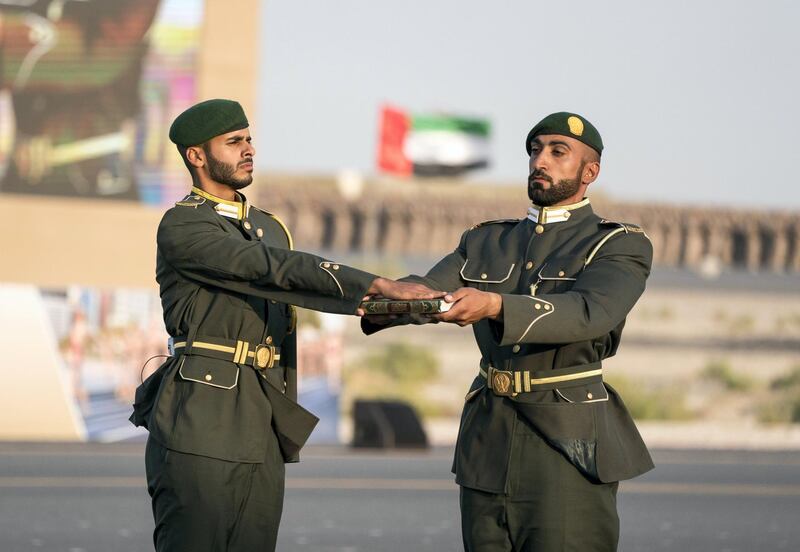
628,227
191,200
618,228
280,223
496,221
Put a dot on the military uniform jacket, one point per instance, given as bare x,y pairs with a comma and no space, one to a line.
227,278
567,284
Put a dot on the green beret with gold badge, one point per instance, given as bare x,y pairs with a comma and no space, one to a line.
567,124
203,121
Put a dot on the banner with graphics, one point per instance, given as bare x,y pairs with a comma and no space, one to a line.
88,89
107,341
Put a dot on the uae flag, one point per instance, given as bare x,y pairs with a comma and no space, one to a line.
431,144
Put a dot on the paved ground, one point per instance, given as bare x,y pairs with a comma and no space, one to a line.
77,498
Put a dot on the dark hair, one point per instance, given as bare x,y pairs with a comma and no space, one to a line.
592,156
182,150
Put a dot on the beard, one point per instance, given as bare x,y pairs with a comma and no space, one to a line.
225,173
556,193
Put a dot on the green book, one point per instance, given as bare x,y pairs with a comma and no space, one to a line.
418,306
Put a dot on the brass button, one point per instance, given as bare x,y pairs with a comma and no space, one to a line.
268,340
484,276
539,228
259,232
515,348
589,395
567,215
537,306
209,377
529,265
336,267
561,273
273,301
326,265
247,225
547,307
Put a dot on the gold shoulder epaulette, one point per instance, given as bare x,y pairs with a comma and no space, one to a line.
496,221
628,227
280,222
191,200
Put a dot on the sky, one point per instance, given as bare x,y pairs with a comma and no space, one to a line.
698,102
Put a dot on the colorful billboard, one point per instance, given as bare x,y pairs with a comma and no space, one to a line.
87,91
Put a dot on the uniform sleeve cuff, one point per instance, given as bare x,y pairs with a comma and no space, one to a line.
520,315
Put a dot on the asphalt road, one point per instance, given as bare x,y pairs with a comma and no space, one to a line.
91,498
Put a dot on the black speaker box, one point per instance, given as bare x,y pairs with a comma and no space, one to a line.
387,424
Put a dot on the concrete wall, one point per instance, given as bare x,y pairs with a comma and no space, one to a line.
228,66
53,242
427,218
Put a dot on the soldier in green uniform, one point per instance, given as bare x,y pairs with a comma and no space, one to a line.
543,440
222,411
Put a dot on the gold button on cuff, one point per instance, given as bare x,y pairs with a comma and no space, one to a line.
484,276
589,396
259,232
561,273
268,340
539,228
247,225
515,348
547,307
529,265
209,377
326,265
537,306
336,267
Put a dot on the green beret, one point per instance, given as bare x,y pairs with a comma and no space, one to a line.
203,121
567,124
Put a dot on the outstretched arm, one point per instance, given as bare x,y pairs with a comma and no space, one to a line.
603,294
445,275
200,250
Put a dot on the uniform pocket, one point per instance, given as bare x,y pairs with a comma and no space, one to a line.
589,393
569,428
479,272
209,371
558,274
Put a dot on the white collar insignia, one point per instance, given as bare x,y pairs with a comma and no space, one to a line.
547,215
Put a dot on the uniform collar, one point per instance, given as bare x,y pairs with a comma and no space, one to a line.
231,209
560,213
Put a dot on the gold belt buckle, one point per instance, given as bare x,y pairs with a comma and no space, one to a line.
502,382
266,355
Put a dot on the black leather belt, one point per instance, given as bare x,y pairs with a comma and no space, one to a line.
262,355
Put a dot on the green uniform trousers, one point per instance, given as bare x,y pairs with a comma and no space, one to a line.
202,504
549,507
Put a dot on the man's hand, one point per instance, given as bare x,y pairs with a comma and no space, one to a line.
402,291
470,306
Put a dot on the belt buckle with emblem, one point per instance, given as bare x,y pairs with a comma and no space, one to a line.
265,356
502,382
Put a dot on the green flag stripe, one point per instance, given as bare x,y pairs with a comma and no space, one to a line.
480,127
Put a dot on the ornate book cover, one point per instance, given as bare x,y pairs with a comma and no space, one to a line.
420,306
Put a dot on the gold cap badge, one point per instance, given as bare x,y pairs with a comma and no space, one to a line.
575,125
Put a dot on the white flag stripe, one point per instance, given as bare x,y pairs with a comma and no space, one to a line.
444,147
